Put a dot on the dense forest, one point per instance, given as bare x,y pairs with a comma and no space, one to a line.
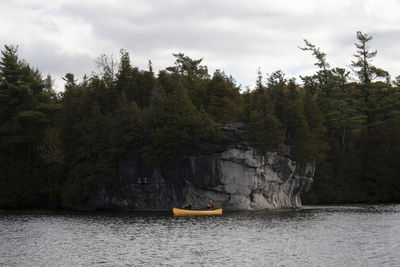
57,148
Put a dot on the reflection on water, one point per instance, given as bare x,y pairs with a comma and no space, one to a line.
321,235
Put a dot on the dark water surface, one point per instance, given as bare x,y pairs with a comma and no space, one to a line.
312,236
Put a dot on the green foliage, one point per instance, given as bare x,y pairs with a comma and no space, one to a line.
266,129
323,74
222,98
362,132
182,131
366,71
186,66
132,83
26,111
297,131
58,150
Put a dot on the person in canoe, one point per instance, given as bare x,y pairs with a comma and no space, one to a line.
211,205
188,205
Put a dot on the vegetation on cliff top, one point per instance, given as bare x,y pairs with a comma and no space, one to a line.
56,149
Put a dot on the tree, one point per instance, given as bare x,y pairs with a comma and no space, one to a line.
124,75
222,98
344,118
132,83
189,73
107,65
25,112
323,74
277,78
396,82
297,131
266,129
363,67
316,124
186,66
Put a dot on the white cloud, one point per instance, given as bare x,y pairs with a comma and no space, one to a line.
60,36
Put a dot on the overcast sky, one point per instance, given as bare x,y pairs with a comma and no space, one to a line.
61,36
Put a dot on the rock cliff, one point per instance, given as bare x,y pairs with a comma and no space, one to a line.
236,178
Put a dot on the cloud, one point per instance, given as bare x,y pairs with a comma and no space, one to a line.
66,36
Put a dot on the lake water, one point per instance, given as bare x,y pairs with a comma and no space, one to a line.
312,236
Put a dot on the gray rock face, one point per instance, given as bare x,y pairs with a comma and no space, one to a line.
238,178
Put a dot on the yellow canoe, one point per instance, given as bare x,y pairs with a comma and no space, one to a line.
182,212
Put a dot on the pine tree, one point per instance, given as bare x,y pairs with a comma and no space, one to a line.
24,115
366,71
222,99
323,75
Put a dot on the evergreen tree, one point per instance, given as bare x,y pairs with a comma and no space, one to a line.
324,73
24,115
222,98
191,75
266,129
58,150
297,129
132,83
366,71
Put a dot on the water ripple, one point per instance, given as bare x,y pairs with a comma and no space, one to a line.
316,236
